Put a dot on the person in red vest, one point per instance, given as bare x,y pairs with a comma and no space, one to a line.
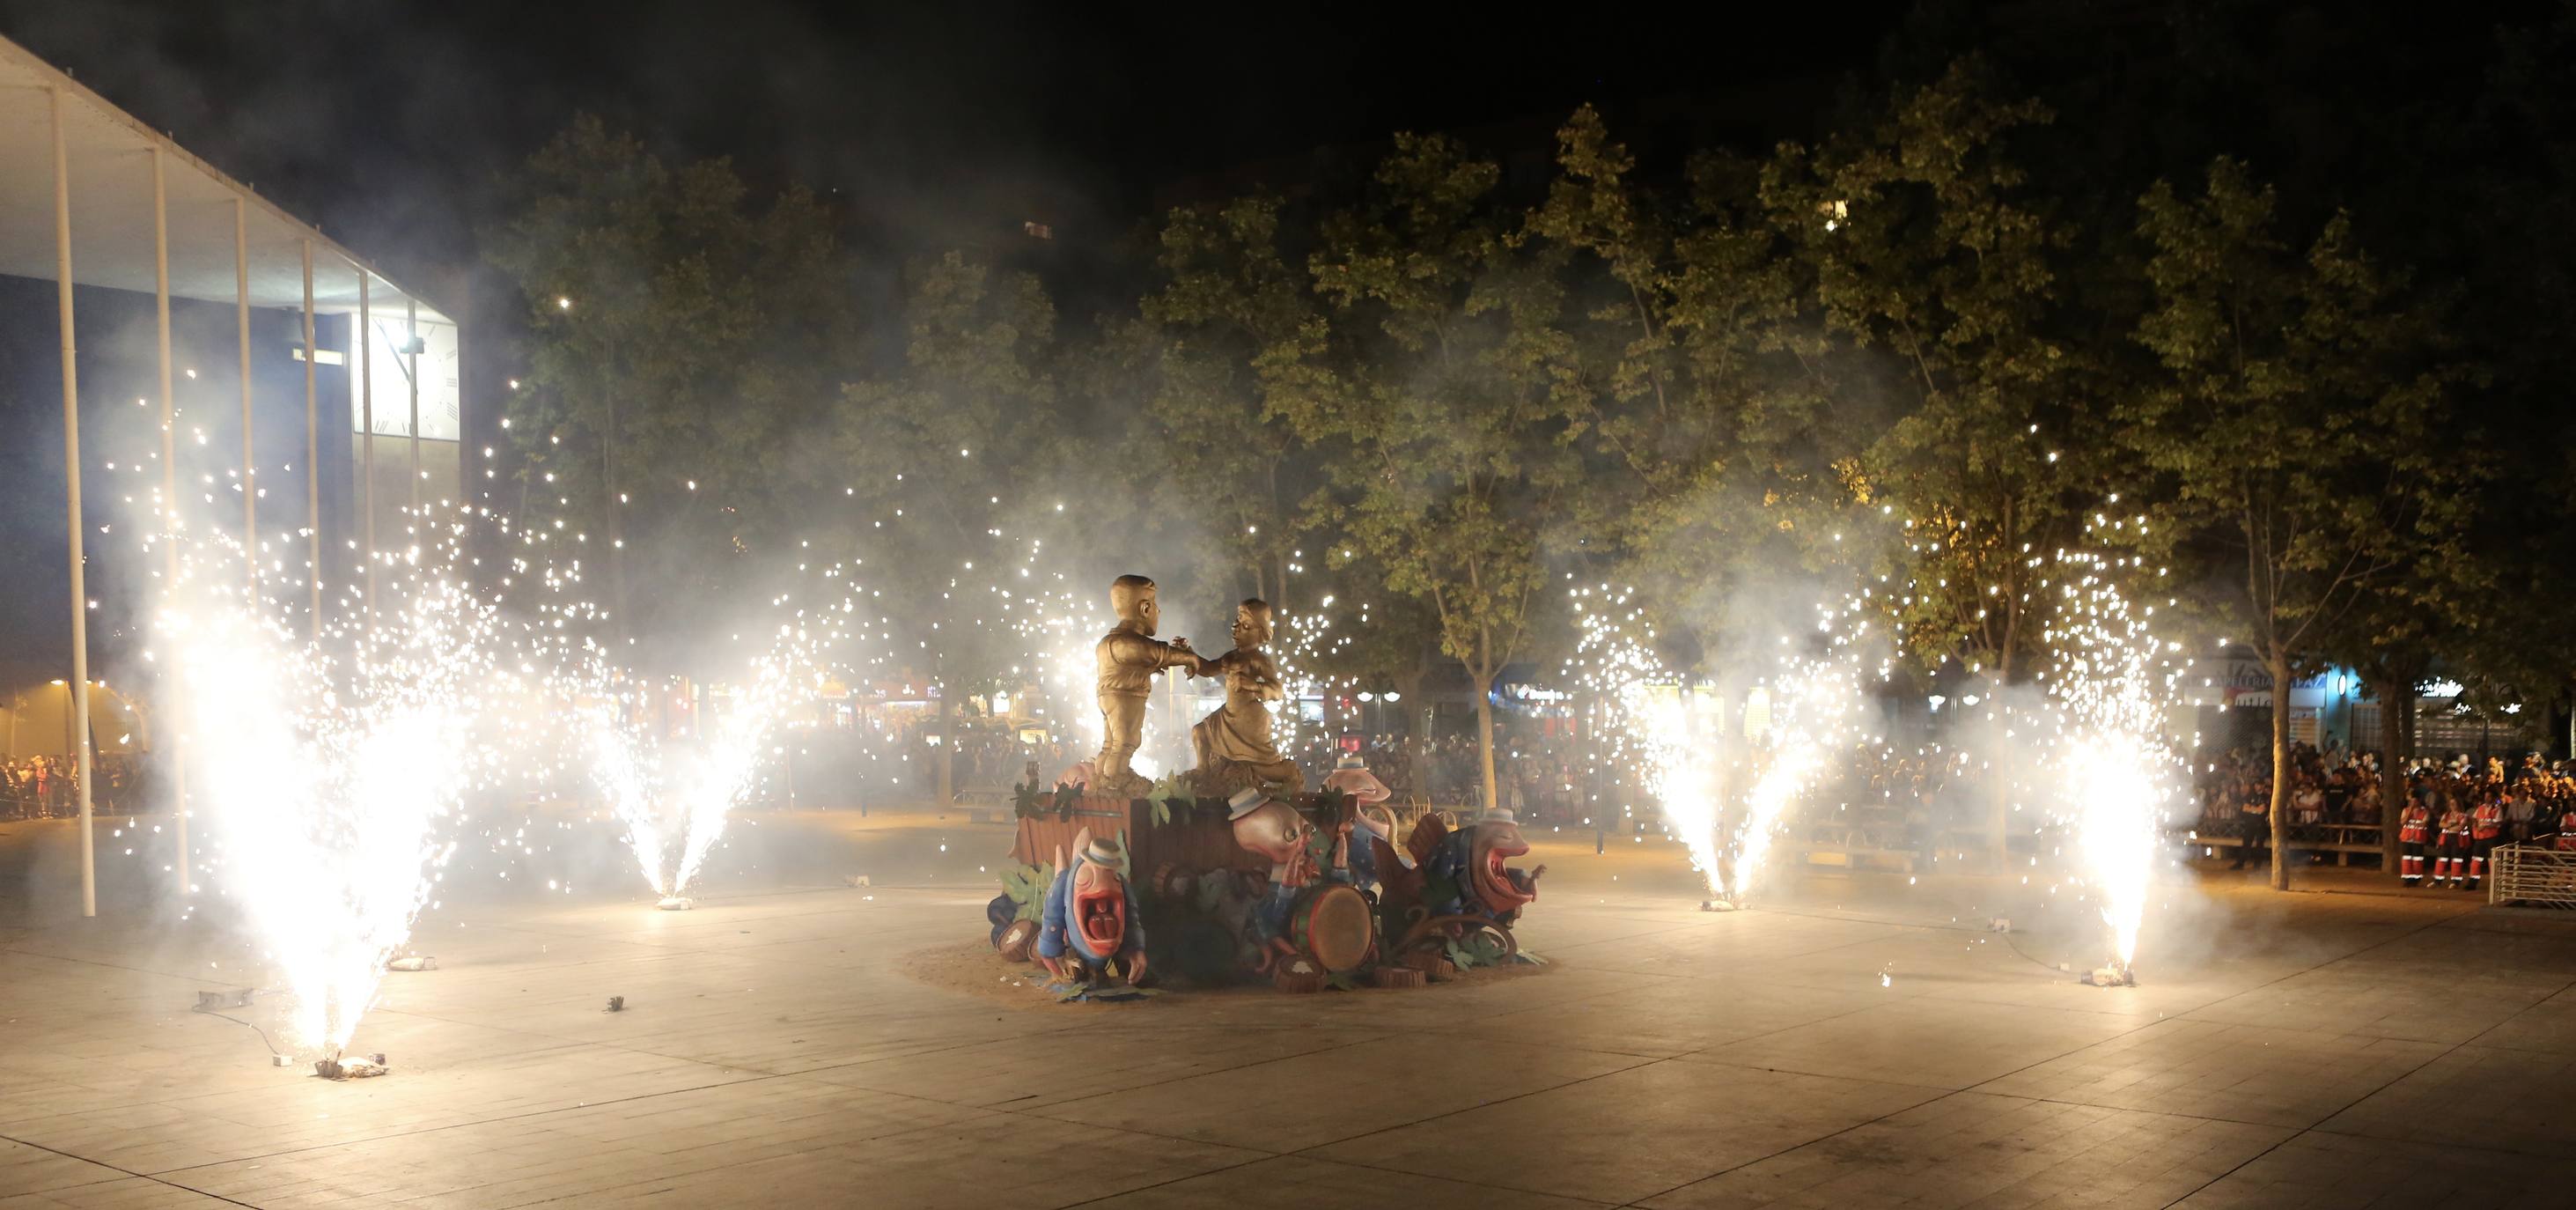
2414,829
2453,863
2567,827
2485,826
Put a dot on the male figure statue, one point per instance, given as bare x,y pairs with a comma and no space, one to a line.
1130,656
1233,744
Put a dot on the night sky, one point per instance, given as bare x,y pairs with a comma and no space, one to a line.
937,124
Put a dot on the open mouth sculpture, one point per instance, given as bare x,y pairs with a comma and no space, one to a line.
1090,919
1501,889
1101,909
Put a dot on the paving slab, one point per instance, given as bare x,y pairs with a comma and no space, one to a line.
986,1161
2240,1073
1298,1182
2317,1171
776,1049
1634,1133
1015,1074
2549,1026
1676,1018
2476,1096
25,1169
1926,1041
1301,1101
130,1193
537,1157
1974,1149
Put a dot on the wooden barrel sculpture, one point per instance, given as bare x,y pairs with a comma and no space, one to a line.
1297,976
1174,882
1434,965
1016,939
1397,976
1335,924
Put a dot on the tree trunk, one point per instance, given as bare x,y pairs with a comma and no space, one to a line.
616,519
2277,662
1484,745
947,744
1485,733
1999,808
2396,701
1410,685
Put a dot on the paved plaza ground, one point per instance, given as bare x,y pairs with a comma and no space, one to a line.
1859,1042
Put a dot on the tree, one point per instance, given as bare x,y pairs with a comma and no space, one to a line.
2298,423
928,449
1229,298
1444,388
680,337
1932,253
1713,462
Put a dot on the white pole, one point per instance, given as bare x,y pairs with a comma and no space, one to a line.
367,434
169,426
411,359
169,487
241,323
72,507
312,454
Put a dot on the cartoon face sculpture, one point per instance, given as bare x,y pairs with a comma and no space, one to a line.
1274,830
1090,914
1491,843
1097,911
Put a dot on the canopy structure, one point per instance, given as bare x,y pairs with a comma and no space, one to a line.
109,154
322,376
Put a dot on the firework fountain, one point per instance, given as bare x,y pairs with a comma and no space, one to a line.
1809,699
1647,723
1812,702
675,805
326,781
2091,757
2116,773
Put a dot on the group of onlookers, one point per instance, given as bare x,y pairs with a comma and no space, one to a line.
45,787
2500,801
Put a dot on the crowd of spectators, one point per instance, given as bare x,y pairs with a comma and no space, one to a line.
2339,787
47,787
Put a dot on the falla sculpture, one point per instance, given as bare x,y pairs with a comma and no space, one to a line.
1247,877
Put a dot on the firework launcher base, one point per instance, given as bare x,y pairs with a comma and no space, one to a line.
2111,976
361,1068
1717,905
676,903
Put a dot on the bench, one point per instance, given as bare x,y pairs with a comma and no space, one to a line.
2344,847
1838,857
1855,847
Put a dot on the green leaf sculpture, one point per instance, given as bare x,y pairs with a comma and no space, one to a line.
1027,887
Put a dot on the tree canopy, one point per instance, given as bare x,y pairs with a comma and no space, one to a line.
1984,314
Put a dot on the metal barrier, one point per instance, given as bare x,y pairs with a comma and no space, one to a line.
2533,875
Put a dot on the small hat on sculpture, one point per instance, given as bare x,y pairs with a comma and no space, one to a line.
1350,760
1243,801
1109,852
1497,815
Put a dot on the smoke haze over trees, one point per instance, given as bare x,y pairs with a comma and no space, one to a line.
2283,287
